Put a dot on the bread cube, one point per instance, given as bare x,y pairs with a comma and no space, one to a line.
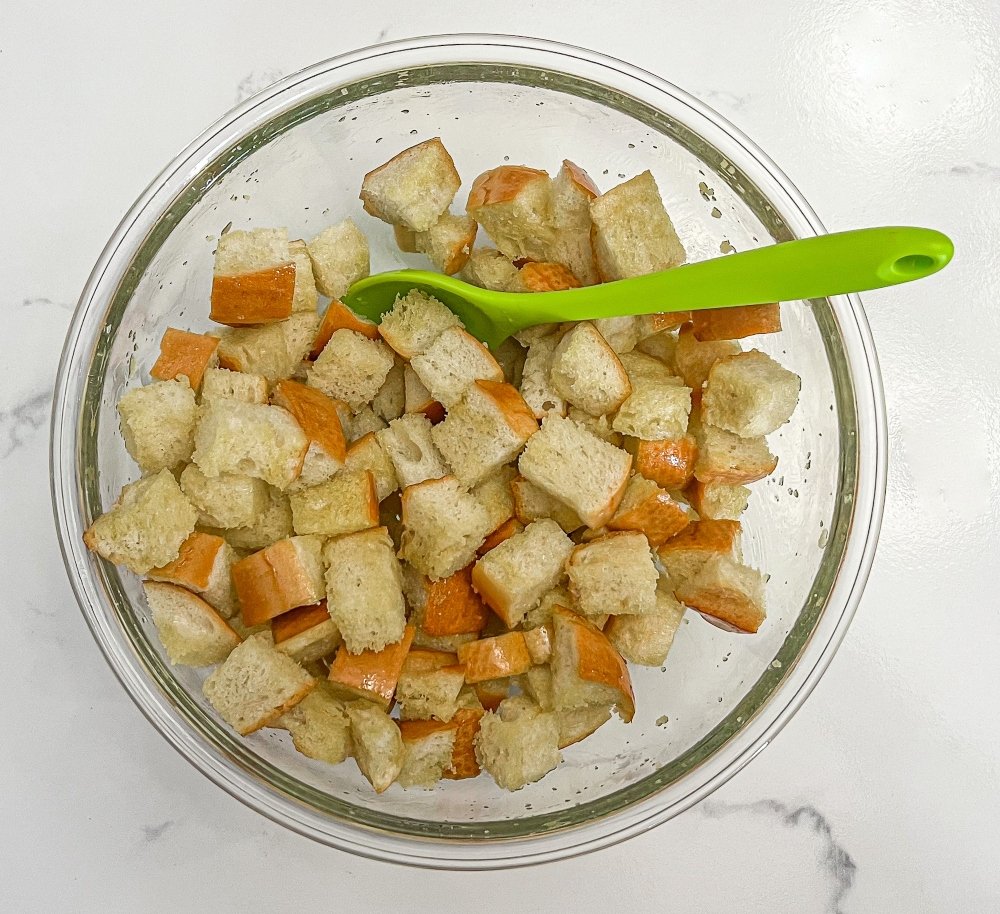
367,453
272,524
576,467
257,350
586,668
684,554
749,394
340,257
319,727
492,692
300,331
614,574
319,418
669,463
157,423
695,359
485,430
646,639
536,377
306,633
378,746
255,685
651,511
223,384
655,409
372,675
339,317
360,423
488,269
538,640
254,277
542,613
596,425
725,457
428,747
415,321
447,607
390,401
364,589
429,692
718,500
513,577
587,373
443,526
417,398
203,565
306,298
633,234
192,632
572,190
351,368
344,504
497,657
532,503
264,442
518,751
711,324
513,204
448,242
536,684
495,495
449,643
409,443
622,333
452,363
727,593
662,347
146,526
511,355
184,354
414,188
543,276
284,575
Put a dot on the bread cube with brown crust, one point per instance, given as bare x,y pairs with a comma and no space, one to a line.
203,565
651,511
278,578
306,633
191,631
614,574
513,204
371,675
254,277
542,276
428,748
425,691
738,323
450,365
725,457
450,606
448,243
319,417
669,463
339,317
498,657
684,554
694,359
185,354
572,190
727,593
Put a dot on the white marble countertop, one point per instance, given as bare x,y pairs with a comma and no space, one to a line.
883,794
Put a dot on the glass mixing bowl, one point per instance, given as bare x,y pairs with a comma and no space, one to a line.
294,156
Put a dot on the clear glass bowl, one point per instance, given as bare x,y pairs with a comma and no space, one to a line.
294,155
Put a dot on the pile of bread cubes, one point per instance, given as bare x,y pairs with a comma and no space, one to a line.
351,521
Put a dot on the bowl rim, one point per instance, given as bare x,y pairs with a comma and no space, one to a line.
614,827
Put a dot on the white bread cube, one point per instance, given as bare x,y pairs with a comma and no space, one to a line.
367,453
651,510
185,354
532,503
449,366
576,724
536,683
390,401
427,752
248,439
377,744
272,524
319,417
319,727
727,593
513,577
223,384
280,577
344,504
718,500
192,632
157,423
429,693
662,346
511,355
306,633
360,423
513,204
646,639
203,565
305,298
536,378
485,430
418,398
684,555
443,526
495,495
587,373
622,333
614,574
596,425
240,251
255,685
694,359
415,321
749,394
447,243
414,188
300,331
519,750
572,190
489,269
542,613
351,368
257,350
410,445
538,640
633,234
340,257
658,406
576,467
146,526
725,457
364,589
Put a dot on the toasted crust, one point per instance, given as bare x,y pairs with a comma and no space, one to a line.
491,692
184,353
726,593
316,413
194,564
652,512
463,753
501,185
505,531
452,607
425,660
581,179
371,674
708,536
275,580
543,277
669,463
735,323
495,658
339,317
298,620
261,297
509,401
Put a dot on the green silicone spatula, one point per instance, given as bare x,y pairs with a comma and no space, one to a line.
810,268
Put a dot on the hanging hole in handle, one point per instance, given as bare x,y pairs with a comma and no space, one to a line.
914,265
